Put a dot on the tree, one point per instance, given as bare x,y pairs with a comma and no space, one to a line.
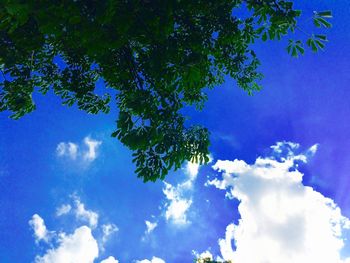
154,57
209,260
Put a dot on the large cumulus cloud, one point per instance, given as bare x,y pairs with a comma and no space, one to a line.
282,220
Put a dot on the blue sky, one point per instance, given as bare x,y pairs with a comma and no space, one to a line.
68,189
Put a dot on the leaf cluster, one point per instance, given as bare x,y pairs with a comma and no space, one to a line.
314,41
156,57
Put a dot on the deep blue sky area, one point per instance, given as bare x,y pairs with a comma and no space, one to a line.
304,100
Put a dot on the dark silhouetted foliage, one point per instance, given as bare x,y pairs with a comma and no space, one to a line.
155,57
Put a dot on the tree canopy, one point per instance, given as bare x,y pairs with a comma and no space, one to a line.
154,57
209,260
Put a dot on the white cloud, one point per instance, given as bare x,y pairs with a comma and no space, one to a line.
192,170
153,260
281,219
279,147
230,167
107,230
150,226
74,152
80,247
92,145
63,209
179,197
61,149
39,227
68,149
110,260
313,149
86,215
226,245
176,206
80,212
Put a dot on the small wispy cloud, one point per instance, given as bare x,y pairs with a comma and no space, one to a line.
79,210
110,259
153,260
84,214
107,231
86,152
40,231
63,209
92,145
179,198
67,149
150,226
177,206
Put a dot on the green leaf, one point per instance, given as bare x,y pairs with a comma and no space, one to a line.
319,44
316,22
260,30
308,42
311,43
297,12
300,49
295,48
264,37
325,14
19,11
319,21
322,37
115,134
324,22
74,20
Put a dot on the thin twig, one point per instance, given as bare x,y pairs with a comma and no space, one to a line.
129,57
301,30
31,61
277,5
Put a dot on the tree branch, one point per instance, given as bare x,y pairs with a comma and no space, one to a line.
301,30
136,77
